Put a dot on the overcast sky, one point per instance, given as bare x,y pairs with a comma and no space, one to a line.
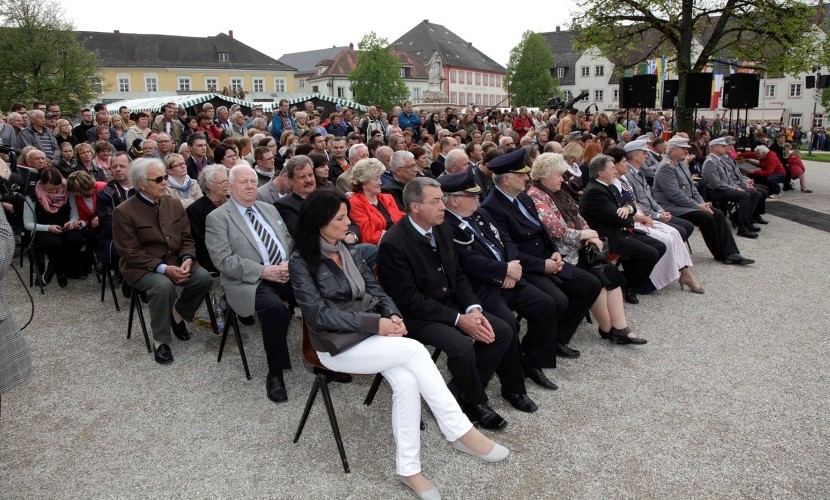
280,27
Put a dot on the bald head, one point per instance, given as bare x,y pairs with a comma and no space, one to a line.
384,154
456,161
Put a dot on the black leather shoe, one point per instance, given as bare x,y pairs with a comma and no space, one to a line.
605,335
537,375
48,274
62,281
275,388
631,296
738,259
486,416
747,234
760,220
179,329
246,320
343,378
621,337
564,351
755,228
520,402
163,355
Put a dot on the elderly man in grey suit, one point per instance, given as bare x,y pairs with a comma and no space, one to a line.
675,191
249,245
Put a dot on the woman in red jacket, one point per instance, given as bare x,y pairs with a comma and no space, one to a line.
373,212
771,171
83,197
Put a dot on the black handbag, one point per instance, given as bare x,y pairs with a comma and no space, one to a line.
591,256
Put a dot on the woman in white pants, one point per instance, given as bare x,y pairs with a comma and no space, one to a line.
356,328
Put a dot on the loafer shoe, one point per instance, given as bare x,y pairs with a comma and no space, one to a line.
563,351
275,388
179,329
520,402
760,220
430,494
537,375
163,355
497,454
247,320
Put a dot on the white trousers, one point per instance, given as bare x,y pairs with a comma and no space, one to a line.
410,371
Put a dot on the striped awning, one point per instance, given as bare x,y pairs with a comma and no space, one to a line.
294,98
154,104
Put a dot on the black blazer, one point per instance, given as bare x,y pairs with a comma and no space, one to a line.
598,207
532,241
437,166
395,188
426,283
289,209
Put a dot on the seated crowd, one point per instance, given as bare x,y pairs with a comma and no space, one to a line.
448,228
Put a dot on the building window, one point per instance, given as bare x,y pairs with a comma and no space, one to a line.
478,99
795,120
224,56
769,90
498,81
123,83
615,94
795,90
586,71
341,92
819,121
301,83
258,84
416,93
492,80
560,72
211,83
469,78
184,84
478,78
151,83
486,81
98,85
315,88
452,76
469,95
403,72
236,83
598,95
279,85
599,70
453,97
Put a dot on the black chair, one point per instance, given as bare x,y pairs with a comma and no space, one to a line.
106,276
135,305
231,320
320,384
33,256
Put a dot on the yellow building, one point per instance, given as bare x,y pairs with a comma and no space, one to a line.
134,66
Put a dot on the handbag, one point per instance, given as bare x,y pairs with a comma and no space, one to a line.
591,256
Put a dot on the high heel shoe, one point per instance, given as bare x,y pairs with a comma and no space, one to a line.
692,284
605,335
623,336
497,454
430,494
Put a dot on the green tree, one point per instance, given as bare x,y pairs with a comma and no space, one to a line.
774,36
376,80
42,57
528,80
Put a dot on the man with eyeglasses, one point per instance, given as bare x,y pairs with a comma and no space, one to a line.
264,166
165,145
403,169
152,234
418,267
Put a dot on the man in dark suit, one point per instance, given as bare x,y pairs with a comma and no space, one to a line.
495,274
117,191
300,172
446,144
573,289
603,209
418,266
152,234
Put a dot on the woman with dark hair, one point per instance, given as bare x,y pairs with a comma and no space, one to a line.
356,328
191,127
141,129
47,217
421,161
321,171
225,155
434,124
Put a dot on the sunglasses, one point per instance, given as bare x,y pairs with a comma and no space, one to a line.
159,179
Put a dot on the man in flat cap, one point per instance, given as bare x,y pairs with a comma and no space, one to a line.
516,218
675,190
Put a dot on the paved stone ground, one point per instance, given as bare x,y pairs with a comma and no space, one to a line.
728,399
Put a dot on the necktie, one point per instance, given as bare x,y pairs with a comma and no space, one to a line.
428,234
270,245
524,212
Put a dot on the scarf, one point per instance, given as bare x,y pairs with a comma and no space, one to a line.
51,202
350,269
184,187
568,208
269,174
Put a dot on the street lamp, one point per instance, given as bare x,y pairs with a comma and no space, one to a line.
815,104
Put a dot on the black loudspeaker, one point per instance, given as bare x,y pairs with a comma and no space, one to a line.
823,82
670,89
740,91
810,82
626,91
698,90
644,92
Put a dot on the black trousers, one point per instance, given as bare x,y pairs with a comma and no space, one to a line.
747,202
761,192
684,227
539,309
639,254
577,293
62,249
715,232
274,315
472,363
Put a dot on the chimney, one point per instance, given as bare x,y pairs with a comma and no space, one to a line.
116,31
230,33
351,46
557,28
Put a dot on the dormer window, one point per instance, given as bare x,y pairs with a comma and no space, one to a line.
224,56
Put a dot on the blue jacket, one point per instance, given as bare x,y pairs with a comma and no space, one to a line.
277,126
412,121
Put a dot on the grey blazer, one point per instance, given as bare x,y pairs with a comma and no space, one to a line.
642,192
234,250
715,174
674,188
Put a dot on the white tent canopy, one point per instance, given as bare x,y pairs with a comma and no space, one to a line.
154,104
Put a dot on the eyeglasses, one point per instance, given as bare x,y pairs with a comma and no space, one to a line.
180,164
159,179
222,182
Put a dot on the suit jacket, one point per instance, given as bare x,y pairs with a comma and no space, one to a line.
395,189
147,235
642,192
532,242
674,188
598,207
234,250
289,209
426,283
715,174
371,222
437,166
175,128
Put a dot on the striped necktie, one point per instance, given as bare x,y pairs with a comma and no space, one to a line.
270,245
